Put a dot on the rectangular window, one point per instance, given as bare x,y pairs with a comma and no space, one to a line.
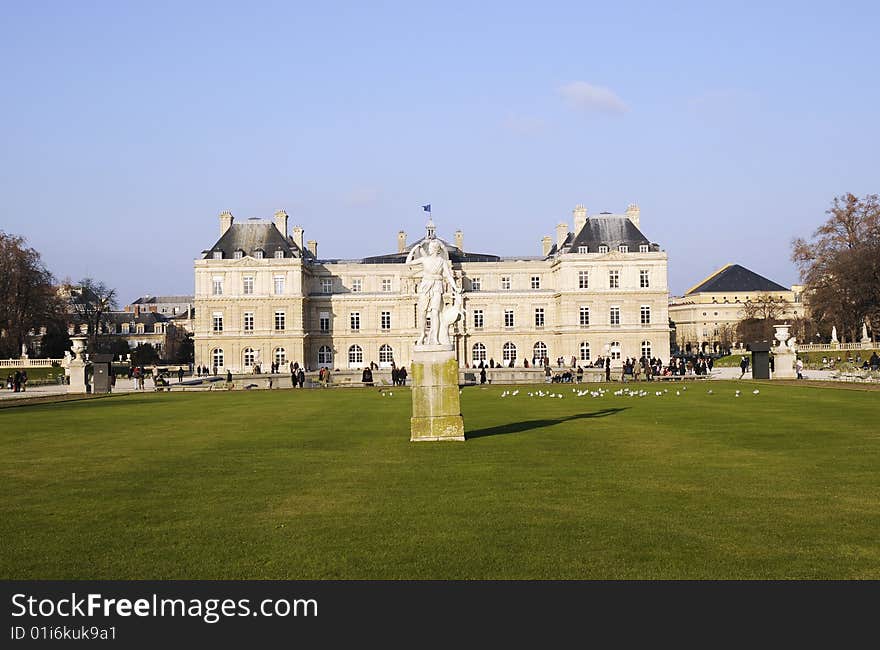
238,254
583,279
476,284
646,315
324,321
248,321
644,279
385,320
248,285
356,285
505,282
386,285
583,249
614,316
508,318
584,317
279,284
258,255
536,282
326,285
643,248
218,321
217,255
614,279
279,321
603,249
623,248
478,319
539,317
279,255
355,320
217,286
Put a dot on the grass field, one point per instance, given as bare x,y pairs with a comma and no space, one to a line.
325,484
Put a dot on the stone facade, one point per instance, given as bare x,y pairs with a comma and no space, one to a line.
261,296
706,316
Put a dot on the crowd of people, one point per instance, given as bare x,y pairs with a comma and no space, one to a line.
17,381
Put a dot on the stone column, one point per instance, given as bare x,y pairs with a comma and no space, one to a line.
436,413
78,366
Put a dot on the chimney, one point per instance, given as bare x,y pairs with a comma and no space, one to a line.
459,240
313,247
401,241
561,234
298,236
580,217
546,245
632,213
226,220
281,222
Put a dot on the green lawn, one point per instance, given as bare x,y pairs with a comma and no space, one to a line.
325,484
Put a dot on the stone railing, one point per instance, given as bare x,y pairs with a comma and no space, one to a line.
29,363
831,347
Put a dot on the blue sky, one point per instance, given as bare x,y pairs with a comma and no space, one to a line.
128,127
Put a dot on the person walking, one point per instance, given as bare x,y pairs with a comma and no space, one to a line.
301,377
401,376
482,375
607,368
799,368
743,366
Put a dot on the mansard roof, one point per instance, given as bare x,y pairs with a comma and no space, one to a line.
734,278
154,300
456,255
608,230
252,236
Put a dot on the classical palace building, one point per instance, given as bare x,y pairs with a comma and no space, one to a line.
263,295
706,316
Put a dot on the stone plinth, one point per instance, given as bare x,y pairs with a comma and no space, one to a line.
78,381
783,365
436,413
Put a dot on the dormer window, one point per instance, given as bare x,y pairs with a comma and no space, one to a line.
643,248
238,254
218,255
258,254
623,248
603,249
583,249
279,255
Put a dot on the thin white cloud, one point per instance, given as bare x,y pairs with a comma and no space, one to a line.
524,125
361,197
583,96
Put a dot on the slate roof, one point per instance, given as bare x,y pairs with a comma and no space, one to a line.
612,231
153,300
455,255
251,236
734,278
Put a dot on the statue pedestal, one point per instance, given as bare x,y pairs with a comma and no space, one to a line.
77,377
436,413
783,365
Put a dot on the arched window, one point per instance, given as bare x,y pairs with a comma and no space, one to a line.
585,351
217,357
539,351
614,350
325,356
478,352
386,356
280,356
249,357
646,349
355,356
509,351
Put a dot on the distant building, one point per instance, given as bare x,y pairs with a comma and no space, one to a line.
177,309
706,316
263,295
137,328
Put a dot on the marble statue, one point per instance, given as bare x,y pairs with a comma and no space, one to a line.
834,334
431,261
864,332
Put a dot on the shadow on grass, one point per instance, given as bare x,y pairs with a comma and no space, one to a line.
517,427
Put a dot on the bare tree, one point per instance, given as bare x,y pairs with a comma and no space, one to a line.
28,299
840,265
91,301
763,307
